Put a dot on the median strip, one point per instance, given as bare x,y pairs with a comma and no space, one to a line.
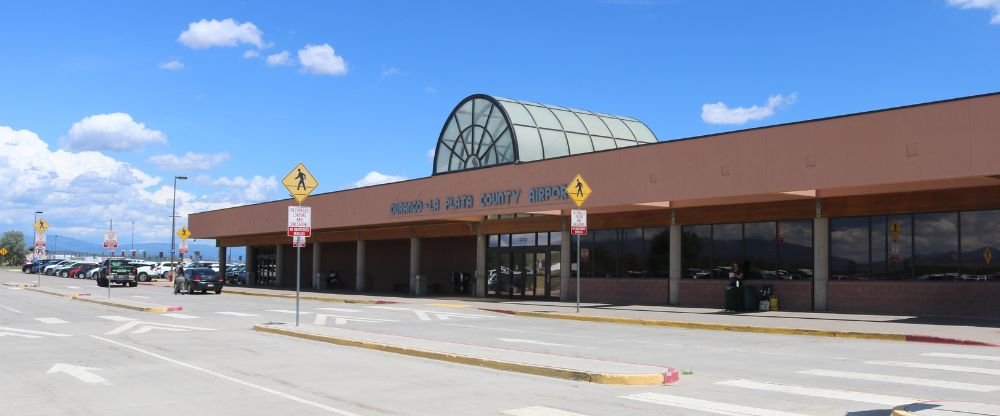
118,303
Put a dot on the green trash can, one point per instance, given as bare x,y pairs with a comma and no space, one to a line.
749,296
734,299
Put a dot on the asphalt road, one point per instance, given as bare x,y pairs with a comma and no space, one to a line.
60,356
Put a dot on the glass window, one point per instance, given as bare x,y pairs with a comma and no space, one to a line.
504,240
517,113
494,241
641,132
586,259
980,231
505,147
879,246
450,132
603,143
443,157
849,251
605,254
523,240
464,115
762,251
579,143
727,248
594,125
482,110
657,251
935,246
631,261
569,121
624,143
795,249
544,118
555,238
899,264
529,145
618,129
543,239
696,251
554,143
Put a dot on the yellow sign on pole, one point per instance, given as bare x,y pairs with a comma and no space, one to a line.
184,233
41,225
578,190
894,229
988,255
300,183
3,251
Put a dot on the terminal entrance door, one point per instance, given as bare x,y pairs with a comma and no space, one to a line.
521,274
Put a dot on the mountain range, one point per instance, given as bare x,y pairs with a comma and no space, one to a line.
65,245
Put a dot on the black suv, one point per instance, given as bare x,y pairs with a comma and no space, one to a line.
117,270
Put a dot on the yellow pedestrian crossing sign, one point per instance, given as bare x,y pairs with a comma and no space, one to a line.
184,233
577,190
3,251
41,225
988,255
300,183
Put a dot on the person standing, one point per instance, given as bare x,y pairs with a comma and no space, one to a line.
735,275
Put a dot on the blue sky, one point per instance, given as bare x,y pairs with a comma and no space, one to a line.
104,102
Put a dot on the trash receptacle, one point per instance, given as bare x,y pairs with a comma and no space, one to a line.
421,289
749,298
734,299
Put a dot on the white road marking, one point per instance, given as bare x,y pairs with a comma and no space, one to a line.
237,314
963,356
16,332
180,316
288,311
539,411
531,341
341,320
14,288
51,321
73,287
903,380
340,310
925,366
10,309
149,326
117,318
853,396
140,297
81,373
705,405
425,315
232,379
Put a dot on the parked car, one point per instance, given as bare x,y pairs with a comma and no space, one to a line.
82,267
91,272
163,269
199,278
63,271
33,267
116,270
49,269
145,270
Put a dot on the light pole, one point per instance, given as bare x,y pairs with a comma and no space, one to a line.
173,217
35,238
132,248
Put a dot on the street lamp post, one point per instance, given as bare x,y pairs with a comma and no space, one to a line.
173,217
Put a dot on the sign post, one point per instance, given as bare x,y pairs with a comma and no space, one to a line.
578,191
40,226
110,243
299,183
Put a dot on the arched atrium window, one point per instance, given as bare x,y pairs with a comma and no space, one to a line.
487,131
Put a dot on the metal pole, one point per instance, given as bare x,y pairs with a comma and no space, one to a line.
579,264
111,227
298,278
39,283
173,225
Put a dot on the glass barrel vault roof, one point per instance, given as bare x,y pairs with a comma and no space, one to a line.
484,131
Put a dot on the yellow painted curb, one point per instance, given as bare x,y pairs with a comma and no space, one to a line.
76,296
448,305
538,370
716,327
901,411
318,298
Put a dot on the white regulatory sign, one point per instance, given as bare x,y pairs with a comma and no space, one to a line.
298,242
578,222
299,221
111,239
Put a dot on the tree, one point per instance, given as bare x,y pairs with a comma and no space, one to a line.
13,241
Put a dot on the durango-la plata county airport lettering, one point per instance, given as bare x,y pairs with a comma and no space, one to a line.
486,199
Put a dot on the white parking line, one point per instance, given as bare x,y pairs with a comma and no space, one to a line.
962,356
925,366
140,297
14,288
73,287
117,318
705,405
10,309
288,311
903,380
539,411
180,316
236,314
232,379
51,321
853,396
340,310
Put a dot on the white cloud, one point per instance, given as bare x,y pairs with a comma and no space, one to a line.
172,65
375,178
278,59
189,161
720,113
250,54
114,131
257,188
993,5
430,90
225,33
322,60
430,154
391,71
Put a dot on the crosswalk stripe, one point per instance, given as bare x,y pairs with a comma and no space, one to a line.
140,297
853,396
116,318
539,411
705,405
180,316
236,314
903,380
51,321
926,366
340,310
14,288
288,311
962,356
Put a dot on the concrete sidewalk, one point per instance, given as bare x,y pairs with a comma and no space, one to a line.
880,327
89,296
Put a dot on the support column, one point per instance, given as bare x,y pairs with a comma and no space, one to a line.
821,262
319,283
415,266
279,264
566,274
481,265
360,267
675,264
251,267
222,262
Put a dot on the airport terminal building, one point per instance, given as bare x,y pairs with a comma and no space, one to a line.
894,211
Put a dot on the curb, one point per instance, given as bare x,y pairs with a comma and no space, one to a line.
670,376
752,329
318,298
85,298
901,411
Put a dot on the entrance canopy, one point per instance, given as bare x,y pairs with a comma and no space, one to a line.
485,131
